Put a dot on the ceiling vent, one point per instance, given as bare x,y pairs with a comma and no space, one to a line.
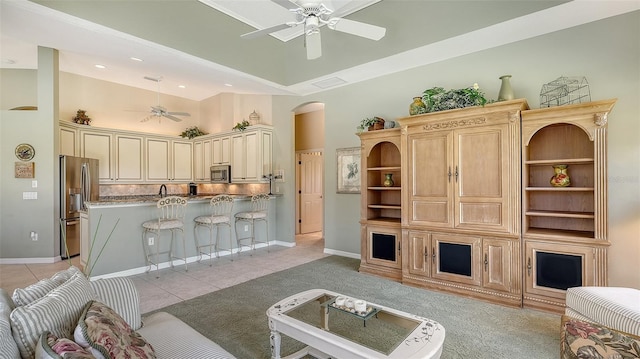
330,82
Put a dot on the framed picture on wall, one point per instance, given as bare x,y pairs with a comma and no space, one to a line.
348,162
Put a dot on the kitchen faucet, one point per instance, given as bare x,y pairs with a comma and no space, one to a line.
165,191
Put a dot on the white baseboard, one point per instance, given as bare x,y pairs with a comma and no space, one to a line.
342,253
37,260
141,270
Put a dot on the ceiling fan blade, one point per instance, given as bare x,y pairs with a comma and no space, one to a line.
314,45
357,28
179,113
174,118
269,30
286,4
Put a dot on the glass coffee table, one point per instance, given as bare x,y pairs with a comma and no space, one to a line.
331,327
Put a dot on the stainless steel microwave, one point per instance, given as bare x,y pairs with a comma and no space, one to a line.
221,174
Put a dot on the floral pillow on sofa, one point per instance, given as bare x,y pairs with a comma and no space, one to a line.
52,347
103,332
584,340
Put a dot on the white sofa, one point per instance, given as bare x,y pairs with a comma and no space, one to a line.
614,307
169,336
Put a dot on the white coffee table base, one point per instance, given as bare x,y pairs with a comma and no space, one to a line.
425,342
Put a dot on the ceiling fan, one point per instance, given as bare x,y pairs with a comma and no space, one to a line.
312,14
160,111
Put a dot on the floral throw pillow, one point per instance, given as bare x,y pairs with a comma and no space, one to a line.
52,347
584,340
104,332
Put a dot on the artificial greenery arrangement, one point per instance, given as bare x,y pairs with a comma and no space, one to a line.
82,118
192,132
369,122
241,126
437,99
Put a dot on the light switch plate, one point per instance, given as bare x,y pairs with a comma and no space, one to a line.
34,184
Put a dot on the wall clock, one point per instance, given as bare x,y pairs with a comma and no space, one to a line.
25,152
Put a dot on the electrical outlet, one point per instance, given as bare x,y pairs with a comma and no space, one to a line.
246,227
34,236
34,184
151,241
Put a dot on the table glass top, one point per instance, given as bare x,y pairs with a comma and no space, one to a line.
376,329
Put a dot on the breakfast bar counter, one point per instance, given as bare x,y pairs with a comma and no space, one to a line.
111,231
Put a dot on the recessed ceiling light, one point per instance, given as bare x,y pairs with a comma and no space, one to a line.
182,86
101,66
228,85
136,59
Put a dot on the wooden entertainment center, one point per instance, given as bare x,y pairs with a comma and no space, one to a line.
472,210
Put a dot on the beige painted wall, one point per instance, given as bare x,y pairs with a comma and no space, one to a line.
310,131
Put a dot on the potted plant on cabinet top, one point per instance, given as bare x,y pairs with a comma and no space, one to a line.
371,124
438,99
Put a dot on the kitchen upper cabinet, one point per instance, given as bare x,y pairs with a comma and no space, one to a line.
99,145
221,147
251,155
181,160
168,160
202,159
68,141
129,158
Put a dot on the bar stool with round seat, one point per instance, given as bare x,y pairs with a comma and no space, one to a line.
221,207
259,212
171,217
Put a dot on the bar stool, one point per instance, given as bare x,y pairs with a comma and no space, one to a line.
172,210
221,206
259,212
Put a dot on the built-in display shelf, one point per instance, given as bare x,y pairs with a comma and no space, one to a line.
560,214
376,188
560,189
564,161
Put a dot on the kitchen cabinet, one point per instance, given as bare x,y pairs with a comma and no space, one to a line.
99,145
221,147
129,158
202,151
168,160
251,155
68,140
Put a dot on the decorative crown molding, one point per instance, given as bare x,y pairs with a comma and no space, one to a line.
454,124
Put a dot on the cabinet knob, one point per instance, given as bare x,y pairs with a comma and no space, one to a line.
449,173
433,255
529,266
456,173
486,262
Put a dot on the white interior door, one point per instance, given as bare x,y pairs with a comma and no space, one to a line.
311,202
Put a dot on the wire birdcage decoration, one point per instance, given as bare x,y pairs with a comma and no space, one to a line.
564,91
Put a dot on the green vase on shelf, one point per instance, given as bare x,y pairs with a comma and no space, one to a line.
388,181
417,106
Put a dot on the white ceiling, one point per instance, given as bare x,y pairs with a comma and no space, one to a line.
82,44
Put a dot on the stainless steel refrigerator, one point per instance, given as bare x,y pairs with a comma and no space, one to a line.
78,184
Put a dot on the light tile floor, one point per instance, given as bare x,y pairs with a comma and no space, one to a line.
175,285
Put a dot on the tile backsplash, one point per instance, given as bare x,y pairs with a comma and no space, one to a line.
116,190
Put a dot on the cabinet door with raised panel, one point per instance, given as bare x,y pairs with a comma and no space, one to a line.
238,155
481,165
129,158
98,145
420,250
157,160
182,159
252,157
198,162
430,176
496,265
221,150
68,141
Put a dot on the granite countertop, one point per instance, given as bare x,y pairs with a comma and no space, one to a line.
142,199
